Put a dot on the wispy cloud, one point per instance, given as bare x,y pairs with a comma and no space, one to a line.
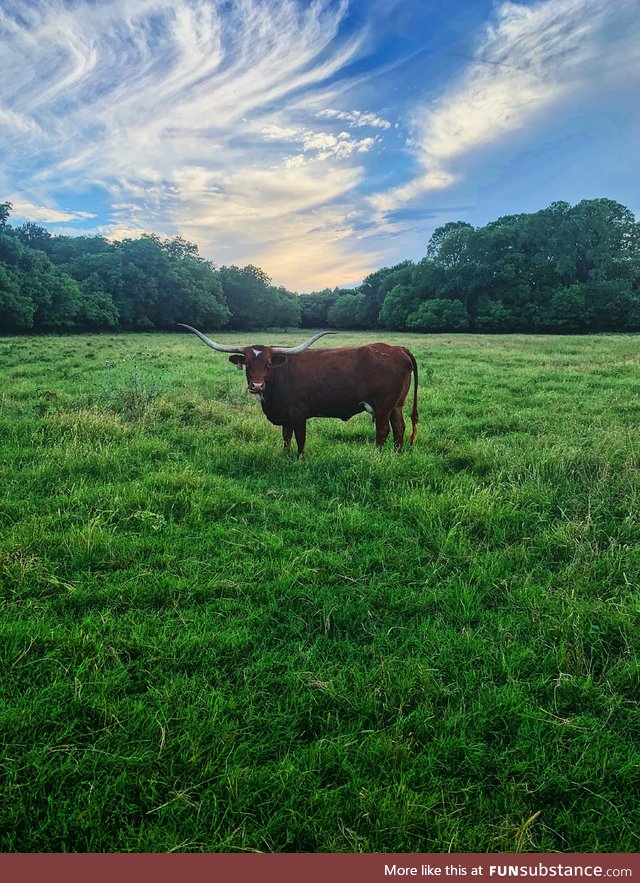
159,104
355,118
45,214
527,62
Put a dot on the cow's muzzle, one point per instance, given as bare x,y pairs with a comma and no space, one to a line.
256,388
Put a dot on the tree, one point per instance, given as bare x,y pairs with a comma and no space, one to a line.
5,211
179,248
427,279
567,310
449,245
492,315
34,236
54,294
632,322
285,308
146,283
246,293
398,304
439,315
349,311
67,250
607,240
594,306
36,294
376,286
315,306
97,311
16,308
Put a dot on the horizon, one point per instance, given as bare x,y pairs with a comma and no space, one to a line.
316,141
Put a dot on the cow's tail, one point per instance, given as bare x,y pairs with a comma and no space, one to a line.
414,410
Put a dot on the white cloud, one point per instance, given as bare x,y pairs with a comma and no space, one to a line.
18,122
119,233
30,211
292,162
356,118
324,145
338,146
278,133
529,61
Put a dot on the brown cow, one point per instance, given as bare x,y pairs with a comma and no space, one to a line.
294,384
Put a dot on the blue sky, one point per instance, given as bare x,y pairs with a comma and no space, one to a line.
318,140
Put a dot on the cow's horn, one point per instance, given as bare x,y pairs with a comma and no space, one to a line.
220,347
291,351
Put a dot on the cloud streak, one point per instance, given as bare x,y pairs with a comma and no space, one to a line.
164,101
45,214
355,118
528,62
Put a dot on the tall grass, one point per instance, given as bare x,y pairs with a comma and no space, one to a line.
207,645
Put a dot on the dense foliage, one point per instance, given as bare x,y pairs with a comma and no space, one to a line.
73,283
563,269
64,283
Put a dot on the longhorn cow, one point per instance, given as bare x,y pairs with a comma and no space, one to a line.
294,384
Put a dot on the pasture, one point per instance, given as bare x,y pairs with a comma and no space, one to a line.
208,645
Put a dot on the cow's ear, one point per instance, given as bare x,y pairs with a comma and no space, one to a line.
238,361
278,359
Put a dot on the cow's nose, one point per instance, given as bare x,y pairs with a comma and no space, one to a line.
257,387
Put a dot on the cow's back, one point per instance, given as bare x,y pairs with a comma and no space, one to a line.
336,382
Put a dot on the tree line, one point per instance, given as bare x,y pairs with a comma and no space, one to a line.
89,283
563,269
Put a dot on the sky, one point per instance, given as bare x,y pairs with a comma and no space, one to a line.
318,140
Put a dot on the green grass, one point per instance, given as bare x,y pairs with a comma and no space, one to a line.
208,645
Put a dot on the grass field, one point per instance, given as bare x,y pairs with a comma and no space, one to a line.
208,645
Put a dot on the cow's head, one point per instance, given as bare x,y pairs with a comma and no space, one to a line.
257,359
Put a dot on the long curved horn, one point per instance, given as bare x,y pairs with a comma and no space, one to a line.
220,347
291,351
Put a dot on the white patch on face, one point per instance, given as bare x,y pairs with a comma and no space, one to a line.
255,351
368,408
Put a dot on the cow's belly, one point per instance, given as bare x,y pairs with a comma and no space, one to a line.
342,412
342,403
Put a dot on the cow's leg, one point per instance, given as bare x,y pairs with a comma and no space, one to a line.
382,427
300,429
287,432
397,425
